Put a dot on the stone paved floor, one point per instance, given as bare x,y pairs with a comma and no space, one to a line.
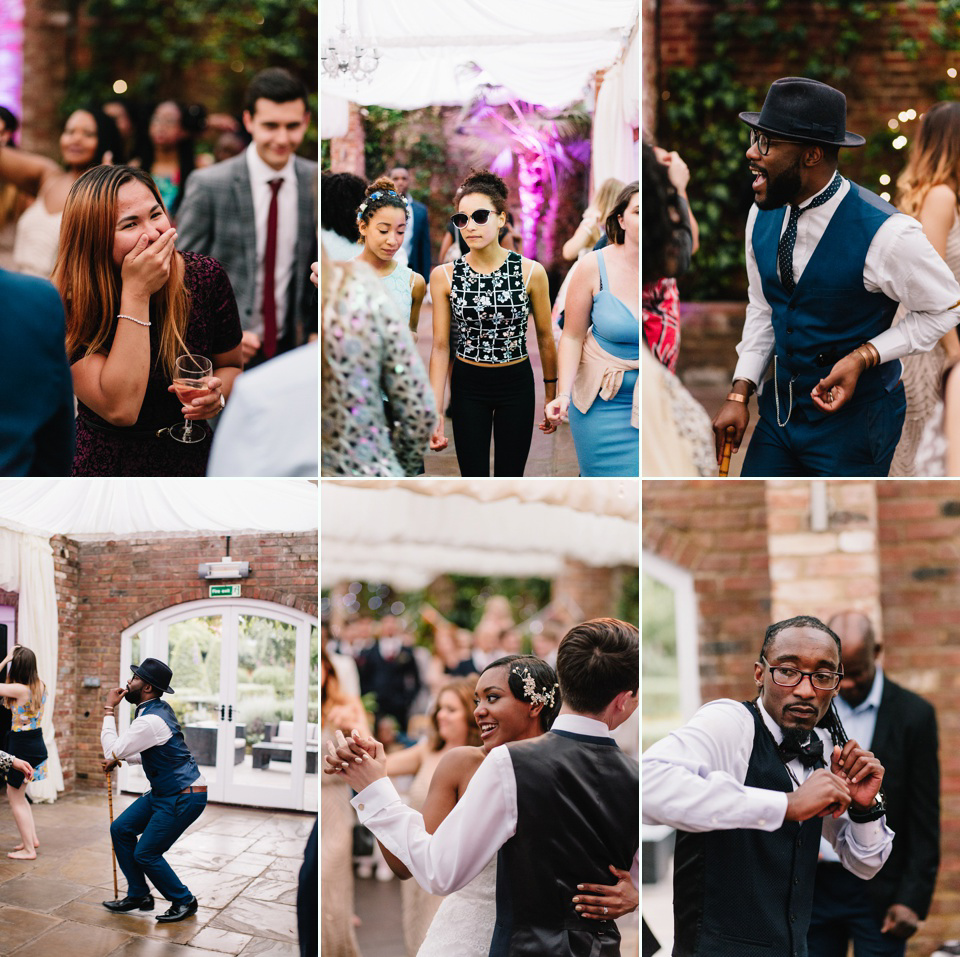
241,863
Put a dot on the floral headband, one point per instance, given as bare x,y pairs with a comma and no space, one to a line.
372,197
543,696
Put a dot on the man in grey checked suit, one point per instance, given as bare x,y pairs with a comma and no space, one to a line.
226,209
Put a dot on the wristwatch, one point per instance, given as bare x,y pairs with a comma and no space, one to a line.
874,813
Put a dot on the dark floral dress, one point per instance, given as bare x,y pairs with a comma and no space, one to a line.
213,328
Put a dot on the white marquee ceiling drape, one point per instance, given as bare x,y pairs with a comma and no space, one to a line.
543,51
407,533
91,509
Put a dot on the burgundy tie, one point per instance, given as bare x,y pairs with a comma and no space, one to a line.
269,268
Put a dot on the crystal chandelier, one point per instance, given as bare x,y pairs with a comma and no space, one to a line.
349,56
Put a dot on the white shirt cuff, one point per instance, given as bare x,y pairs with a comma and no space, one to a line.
373,798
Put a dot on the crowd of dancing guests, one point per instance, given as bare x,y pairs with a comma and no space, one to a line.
438,711
143,278
383,409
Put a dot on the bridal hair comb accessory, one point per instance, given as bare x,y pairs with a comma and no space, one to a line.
530,688
371,198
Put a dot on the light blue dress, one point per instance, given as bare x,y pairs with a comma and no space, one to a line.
607,444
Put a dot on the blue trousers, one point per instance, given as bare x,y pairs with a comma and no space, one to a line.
159,821
843,911
859,440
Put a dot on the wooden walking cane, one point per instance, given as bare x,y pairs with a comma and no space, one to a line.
113,853
724,468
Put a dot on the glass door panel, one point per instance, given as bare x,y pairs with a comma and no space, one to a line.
311,780
194,648
265,710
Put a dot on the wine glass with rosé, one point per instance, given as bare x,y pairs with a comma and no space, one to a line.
190,373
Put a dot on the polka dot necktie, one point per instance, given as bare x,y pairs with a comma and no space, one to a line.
789,238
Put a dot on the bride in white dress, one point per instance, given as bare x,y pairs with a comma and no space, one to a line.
517,697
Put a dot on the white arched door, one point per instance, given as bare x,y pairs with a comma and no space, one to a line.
245,693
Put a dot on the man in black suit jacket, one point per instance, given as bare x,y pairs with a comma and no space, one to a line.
36,388
884,912
418,251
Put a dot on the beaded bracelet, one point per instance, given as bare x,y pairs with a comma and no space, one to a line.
139,322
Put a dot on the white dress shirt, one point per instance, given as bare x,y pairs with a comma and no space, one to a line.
483,820
693,781
260,176
145,731
900,263
256,435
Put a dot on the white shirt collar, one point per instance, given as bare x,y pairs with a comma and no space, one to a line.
580,724
261,172
810,199
772,725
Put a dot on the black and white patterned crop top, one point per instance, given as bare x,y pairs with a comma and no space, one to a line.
490,311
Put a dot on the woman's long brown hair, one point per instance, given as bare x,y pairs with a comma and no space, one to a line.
23,671
88,281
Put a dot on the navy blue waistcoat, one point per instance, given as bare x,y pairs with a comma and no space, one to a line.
169,767
577,801
829,312
745,892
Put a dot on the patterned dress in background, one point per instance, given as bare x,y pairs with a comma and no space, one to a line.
922,378
213,328
661,320
368,352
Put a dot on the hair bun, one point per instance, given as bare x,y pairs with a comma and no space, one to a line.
381,183
484,178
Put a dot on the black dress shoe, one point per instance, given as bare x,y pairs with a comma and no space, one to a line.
178,912
130,903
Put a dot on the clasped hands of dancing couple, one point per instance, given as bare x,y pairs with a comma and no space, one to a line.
362,760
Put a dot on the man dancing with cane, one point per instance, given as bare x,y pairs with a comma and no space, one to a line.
177,795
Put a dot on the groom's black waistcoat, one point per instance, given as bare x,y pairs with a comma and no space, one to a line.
746,892
577,812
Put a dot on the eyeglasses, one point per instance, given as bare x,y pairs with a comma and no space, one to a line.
791,677
762,142
479,216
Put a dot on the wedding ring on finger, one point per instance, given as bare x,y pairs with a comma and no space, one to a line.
604,910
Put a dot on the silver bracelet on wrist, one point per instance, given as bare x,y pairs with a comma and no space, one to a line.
139,322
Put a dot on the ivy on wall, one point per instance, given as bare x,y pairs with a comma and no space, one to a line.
699,107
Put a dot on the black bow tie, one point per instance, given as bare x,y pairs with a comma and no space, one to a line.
810,754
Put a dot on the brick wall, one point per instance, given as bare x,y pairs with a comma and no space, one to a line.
717,531
104,587
66,718
595,591
881,82
920,576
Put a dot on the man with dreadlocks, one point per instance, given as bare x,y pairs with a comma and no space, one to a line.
749,787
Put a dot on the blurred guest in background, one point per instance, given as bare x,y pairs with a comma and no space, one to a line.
89,138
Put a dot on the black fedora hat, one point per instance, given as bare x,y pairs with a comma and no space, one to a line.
803,109
154,672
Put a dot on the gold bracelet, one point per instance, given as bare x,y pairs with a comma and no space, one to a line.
736,397
868,352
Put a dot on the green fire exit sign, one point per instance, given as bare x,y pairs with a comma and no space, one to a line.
224,591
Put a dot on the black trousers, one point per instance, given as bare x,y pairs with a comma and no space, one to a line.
498,399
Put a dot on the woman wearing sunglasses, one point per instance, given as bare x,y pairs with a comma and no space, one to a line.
489,293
